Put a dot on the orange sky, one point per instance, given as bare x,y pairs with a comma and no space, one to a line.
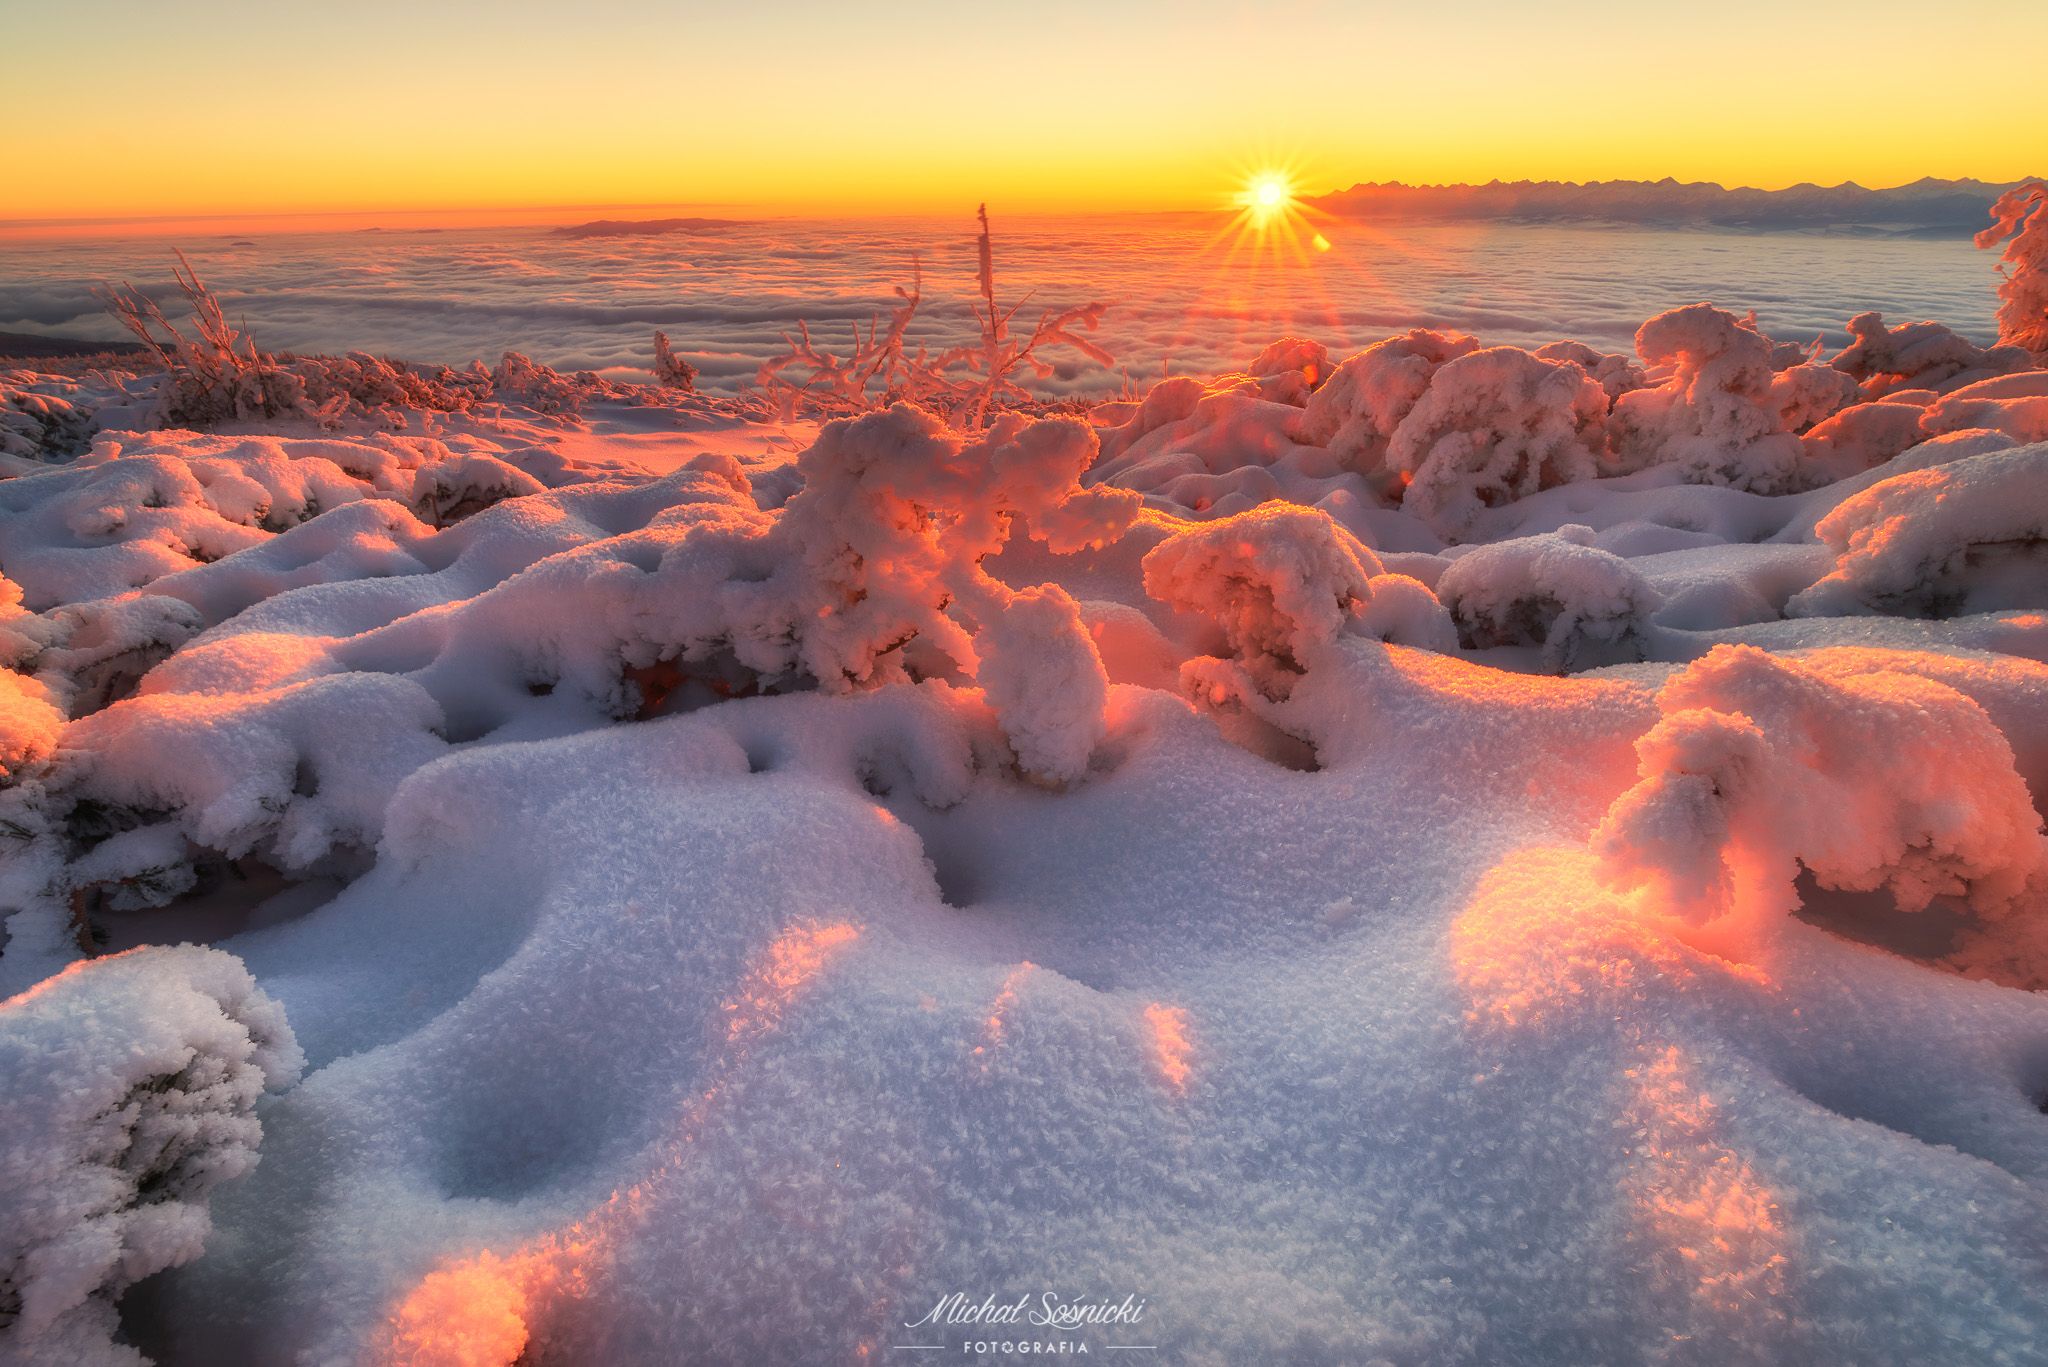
908,106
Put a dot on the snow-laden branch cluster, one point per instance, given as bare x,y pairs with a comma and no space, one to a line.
130,1085
967,384
214,373
2021,214
1867,778
1450,432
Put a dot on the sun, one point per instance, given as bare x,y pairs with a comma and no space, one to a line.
1269,195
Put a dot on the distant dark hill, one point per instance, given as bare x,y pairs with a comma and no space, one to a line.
26,345
646,227
1927,206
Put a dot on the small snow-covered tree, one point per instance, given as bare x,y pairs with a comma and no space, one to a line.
1763,766
968,385
2021,214
1494,426
1924,355
670,370
1355,411
1284,583
1715,417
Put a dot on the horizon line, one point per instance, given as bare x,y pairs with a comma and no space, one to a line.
758,210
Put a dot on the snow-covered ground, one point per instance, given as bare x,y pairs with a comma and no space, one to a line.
1454,855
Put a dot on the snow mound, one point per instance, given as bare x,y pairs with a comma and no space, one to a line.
1964,536
1583,606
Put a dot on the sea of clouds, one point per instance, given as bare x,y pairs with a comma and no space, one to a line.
1186,293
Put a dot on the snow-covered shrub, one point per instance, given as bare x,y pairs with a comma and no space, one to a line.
114,521
1809,394
97,651
2021,213
1045,680
1284,583
883,546
30,717
670,370
1617,373
1356,410
39,420
1290,370
1493,426
1582,605
446,491
1967,536
130,1085
1762,767
2016,405
1211,448
1717,419
1862,436
545,390
968,384
1918,356
289,747
218,375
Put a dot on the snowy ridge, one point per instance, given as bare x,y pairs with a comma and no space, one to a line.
1451,854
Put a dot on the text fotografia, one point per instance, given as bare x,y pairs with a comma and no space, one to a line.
1048,1310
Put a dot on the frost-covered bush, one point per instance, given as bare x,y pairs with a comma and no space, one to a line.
43,417
446,491
1862,436
1918,356
1356,410
670,370
1290,370
540,388
1493,426
2021,214
130,1085
30,717
1617,373
607,605
968,384
2016,405
1762,767
1809,394
1967,536
1284,583
1583,606
217,374
1718,418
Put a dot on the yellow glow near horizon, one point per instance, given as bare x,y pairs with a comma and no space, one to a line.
922,106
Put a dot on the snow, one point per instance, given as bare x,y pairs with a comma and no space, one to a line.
1450,854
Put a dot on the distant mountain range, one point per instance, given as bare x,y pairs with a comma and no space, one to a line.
646,227
1927,207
